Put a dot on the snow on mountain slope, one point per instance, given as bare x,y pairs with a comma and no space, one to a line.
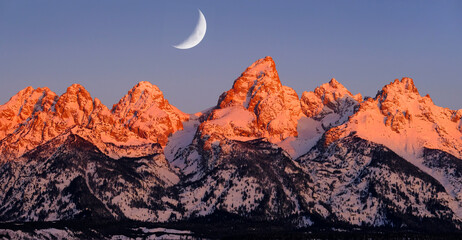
256,106
257,99
407,123
329,105
69,178
179,143
447,169
364,183
259,106
404,121
49,233
253,178
261,153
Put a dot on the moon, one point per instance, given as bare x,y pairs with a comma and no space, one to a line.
196,36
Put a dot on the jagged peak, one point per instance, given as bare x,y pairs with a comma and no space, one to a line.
268,108
23,93
328,94
148,114
141,97
26,93
75,87
334,83
39,93
145,85
408,82
263,63
403,86
262,67
144,91
428,98
26,90
334,86
75,99
331,91
24,102
138,99
43,89
75,92
261,77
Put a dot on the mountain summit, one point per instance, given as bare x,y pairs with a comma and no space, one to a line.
146,112
257,105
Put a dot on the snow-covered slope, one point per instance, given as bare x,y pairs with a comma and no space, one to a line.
255,179
258,105
367,184
400,118
407,123
68,178
329,105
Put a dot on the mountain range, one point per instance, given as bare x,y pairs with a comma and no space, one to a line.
262,153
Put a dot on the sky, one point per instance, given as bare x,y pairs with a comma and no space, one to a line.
108,46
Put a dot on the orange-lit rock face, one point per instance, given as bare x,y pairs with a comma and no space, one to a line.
23,106
146,112
33,117
393,101
400,118
256,106
74,106
254,85
23,119
327,107
328,95
43,115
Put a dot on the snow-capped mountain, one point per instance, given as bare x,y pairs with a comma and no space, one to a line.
262,153
257,105
33,117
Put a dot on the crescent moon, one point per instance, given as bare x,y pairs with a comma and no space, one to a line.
196,36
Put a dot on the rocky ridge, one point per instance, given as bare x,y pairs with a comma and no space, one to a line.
262,153
33,117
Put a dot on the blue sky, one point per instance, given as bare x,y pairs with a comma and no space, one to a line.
109,46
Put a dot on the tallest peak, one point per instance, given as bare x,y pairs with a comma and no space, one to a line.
266,61
262,67
261,76
334,83
144,84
